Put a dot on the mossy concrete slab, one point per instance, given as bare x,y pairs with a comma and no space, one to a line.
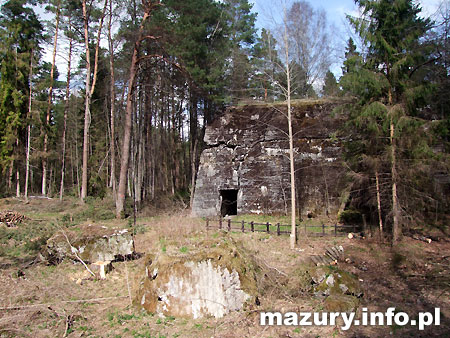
91,243
217,278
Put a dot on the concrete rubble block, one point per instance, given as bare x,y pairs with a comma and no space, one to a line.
333,281
91,243
214,281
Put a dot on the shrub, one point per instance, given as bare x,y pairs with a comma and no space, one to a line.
350,216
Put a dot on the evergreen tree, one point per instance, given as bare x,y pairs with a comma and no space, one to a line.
388,99
20,36
330,87
352,57
242,35
265,67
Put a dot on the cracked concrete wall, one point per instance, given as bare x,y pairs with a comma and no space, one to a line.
248,151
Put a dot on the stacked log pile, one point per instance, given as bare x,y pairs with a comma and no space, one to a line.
11,218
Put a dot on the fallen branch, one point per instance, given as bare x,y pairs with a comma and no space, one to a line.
422,238
74,251
92,300
128,284
69,323
273,268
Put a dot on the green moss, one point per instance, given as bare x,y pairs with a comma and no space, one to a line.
221,251
341,303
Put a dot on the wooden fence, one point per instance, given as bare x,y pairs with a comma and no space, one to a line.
279,229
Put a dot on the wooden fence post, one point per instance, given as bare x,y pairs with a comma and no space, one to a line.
335,229
278,229
305,230
207,223
323,229
243,226
229,225
220,223
267,226
252,226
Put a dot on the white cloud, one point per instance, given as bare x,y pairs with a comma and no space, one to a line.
429,7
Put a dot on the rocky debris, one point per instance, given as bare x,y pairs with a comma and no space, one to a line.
90,243
11,218
341,288
213,281
331,256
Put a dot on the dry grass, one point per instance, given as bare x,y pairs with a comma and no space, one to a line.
48,302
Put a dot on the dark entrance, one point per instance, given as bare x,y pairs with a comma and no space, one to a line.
229,202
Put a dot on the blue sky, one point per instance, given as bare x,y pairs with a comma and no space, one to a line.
336,11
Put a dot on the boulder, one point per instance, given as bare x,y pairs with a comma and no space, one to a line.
213,280
340,289
335,281
91,243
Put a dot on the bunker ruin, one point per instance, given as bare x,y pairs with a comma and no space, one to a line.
245,167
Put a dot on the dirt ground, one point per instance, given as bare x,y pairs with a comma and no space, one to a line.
37,300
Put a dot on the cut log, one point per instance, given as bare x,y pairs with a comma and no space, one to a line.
101,268
422,238
11,218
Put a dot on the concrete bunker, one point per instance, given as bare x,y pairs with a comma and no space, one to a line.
245,166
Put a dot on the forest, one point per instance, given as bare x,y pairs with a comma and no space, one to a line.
112,98
120,119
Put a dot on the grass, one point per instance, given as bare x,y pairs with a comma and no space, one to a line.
26,239
178,233
45,217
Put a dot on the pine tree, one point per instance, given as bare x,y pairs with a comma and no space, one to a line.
242,33
352,57
20,36
266,71
387,101
330,87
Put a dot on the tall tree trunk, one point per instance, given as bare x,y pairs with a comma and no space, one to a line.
10,180
380,219
17,174
89,91
193,169
124,163
17,182
49,103
113,102
293,236
66,111
396,225
27,157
